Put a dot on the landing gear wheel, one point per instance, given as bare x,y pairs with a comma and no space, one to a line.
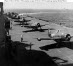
68,37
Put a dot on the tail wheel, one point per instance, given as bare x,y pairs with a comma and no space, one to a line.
68,37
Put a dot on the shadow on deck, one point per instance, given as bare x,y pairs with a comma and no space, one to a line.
59,45
19,56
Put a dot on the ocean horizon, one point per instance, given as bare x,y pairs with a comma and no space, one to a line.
36,10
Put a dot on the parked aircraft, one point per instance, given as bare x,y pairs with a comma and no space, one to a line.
34,26
13,15
22,21
57,35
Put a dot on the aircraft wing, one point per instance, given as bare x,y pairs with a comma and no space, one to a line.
32,25
44,25
29,26
27,20
39,39
42,30
17,20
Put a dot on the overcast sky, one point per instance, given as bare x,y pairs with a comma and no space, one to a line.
38,5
